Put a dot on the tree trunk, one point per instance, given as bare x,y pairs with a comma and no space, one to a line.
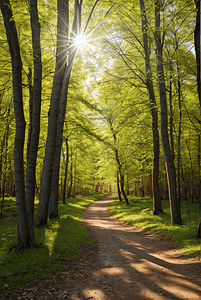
119,168
30,111
60,68
11,32
123,188
5,148
71,175
197,45
66,172
197,51
179,142
118,187
171,115
35,118
169,163
74,181
157,205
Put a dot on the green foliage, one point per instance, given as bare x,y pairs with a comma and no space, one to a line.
59,240
139,213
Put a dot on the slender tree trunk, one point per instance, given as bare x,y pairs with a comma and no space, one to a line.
118,187
5,148
53,201
66,173
35,120
123,188
197,45
169,163
157,205
171,114
30,111
11,32
197,51
74,181
60,68
71,174
179,144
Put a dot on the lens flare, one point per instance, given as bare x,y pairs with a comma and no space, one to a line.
80,41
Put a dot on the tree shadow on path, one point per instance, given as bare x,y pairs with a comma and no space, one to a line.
134,264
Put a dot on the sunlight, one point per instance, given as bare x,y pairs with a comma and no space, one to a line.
80,41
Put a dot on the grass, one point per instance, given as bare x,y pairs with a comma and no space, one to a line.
60,239
140,214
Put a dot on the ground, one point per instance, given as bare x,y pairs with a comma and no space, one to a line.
126,263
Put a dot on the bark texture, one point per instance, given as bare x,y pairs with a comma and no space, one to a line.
118,187
66,172
197,45
169,163
53,201
11,32
119,166
53,206
157,205
42,212
35,118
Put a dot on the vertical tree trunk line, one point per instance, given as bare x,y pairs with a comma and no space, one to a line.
157,205
179,144
197,42
14,49
71,174
66,173
5,148
171,114
35,118
60,68
74,181
169,163
118,187
119,167
53,202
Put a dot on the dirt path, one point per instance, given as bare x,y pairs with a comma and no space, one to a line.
127,263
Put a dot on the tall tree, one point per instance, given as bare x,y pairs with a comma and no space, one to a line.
14,49
197,51
169,163
157,206
35,118
60,69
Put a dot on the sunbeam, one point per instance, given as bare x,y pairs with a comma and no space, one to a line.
80,41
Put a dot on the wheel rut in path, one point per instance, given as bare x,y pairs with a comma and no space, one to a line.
126,263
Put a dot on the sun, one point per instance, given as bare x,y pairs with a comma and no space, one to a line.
80,41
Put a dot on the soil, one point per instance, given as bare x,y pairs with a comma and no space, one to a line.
126,263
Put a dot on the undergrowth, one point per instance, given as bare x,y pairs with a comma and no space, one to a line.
139,213
60,239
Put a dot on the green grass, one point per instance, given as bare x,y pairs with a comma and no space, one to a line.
139,213
60,239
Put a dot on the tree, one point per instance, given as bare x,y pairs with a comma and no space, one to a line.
35,118
170,168
197,51
59,96
157,206
14,49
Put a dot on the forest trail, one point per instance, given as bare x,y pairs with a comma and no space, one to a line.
126,263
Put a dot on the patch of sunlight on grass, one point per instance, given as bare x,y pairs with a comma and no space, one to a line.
139,213
50,236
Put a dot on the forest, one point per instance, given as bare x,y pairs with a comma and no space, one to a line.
98,96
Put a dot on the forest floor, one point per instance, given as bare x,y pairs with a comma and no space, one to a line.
125,263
